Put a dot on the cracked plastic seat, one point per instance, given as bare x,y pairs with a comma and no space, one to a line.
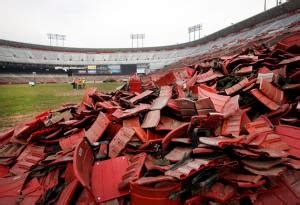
100,178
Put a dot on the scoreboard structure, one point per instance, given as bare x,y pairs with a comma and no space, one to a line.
110,69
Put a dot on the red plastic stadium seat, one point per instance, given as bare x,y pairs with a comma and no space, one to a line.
102,178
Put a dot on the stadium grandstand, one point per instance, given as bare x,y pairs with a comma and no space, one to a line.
20,62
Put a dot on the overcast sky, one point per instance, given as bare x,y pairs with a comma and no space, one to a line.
109,23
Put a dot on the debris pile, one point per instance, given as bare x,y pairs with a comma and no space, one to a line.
224,130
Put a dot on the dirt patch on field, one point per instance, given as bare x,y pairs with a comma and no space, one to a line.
11,121
71,93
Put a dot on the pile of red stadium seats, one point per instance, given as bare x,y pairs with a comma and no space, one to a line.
222,131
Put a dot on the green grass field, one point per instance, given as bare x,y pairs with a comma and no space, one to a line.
22,102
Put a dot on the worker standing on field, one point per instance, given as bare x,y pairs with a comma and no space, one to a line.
83,82
73,83
77,82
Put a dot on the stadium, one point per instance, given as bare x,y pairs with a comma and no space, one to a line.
56,64
211,121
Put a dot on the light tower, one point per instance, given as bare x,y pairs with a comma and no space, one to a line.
137,37
56,37
194,29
